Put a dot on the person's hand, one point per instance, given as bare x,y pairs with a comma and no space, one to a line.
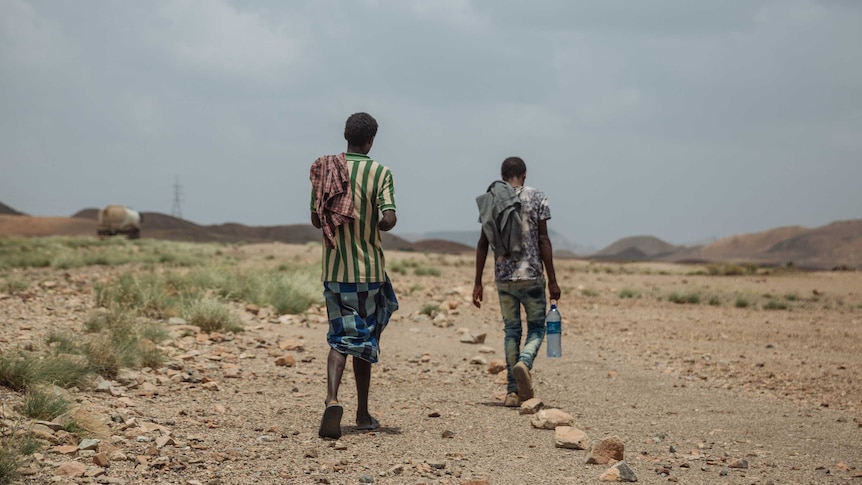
553,289
477,295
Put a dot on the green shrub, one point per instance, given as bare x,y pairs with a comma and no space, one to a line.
684,298
775,305
40,404
212,316
730,269
742,302
715,301
791,297
400,266
13,285
20,372
426,271
289,292
13,448
589,292
430,309
122,340
628,293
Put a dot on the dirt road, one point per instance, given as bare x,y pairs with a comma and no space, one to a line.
720,390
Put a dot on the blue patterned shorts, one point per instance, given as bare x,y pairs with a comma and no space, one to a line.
358,314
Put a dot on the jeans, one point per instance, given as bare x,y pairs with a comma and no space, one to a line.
530,294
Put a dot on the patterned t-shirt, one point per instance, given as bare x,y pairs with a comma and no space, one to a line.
358,253
534,208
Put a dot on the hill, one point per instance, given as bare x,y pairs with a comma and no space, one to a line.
635,248
156,225
824,247
838,244
6,210
562,246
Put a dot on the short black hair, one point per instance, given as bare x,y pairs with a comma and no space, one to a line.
513,167
360,129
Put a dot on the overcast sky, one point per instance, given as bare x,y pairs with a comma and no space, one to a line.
686,120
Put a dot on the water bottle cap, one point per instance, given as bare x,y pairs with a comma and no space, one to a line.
553,306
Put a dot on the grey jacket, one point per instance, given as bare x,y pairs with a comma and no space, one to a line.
500,216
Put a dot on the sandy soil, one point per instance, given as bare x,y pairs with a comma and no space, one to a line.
698,393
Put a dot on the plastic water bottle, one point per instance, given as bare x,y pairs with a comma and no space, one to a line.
553,329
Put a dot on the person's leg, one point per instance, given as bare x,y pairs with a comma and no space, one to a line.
510,308
334,370
330,423
362,373
535,306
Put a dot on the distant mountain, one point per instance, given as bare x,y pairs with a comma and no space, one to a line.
5,209
835,245
824,247
470,238
156,225
635,248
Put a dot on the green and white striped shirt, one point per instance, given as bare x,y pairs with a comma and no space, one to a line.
358,253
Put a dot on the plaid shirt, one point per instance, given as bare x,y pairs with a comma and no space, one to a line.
334,206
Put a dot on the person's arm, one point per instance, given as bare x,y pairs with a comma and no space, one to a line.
547,254
315,220
481,256
388,220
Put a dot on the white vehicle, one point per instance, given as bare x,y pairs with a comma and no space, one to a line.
119,219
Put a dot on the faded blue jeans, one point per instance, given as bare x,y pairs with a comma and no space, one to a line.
514,294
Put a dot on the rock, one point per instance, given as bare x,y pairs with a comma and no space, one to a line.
286,319
163,441
447,434
291,344
441,320
434,414
286,361
469,338
101,460
211,386
66,449
252,308
571,438
606,451
486,350
738,464
531,406
496,366
475,482
478,360
88,444
231,371
620,472
177,321
71,469
550,419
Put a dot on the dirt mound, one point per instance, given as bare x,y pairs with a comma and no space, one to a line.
45,226
635,248
6,210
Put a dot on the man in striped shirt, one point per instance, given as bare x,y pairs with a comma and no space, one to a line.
359,296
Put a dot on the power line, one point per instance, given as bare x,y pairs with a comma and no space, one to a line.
176,209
